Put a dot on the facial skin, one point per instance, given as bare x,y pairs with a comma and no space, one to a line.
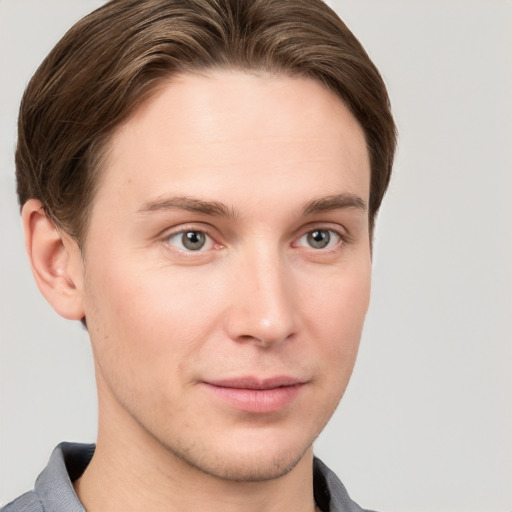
263,169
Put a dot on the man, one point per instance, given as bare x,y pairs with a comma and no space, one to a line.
199,182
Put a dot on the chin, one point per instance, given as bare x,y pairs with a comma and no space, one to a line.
242,462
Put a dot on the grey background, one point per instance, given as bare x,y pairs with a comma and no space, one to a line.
426,424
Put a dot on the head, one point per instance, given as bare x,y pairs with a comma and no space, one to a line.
114,59
206,176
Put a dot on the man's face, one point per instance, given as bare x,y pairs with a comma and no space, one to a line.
227,271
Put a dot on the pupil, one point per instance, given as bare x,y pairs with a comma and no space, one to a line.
319,239
193,240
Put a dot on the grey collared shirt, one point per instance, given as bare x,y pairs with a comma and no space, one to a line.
54,491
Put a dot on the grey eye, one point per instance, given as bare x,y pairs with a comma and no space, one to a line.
193,240
190,240
319,238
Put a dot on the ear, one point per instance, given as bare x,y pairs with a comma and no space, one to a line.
55,260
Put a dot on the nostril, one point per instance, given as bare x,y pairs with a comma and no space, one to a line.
247,337
265,339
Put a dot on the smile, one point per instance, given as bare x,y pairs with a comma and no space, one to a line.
257,396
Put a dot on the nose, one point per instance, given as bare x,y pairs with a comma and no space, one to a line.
261,306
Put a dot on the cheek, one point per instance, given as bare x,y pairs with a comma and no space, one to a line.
339,302
335,317
142,332
148,318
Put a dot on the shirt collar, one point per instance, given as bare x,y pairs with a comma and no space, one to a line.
68,461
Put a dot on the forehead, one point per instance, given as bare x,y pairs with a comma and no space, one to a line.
226,133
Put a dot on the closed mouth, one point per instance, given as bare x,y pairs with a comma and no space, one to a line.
257,395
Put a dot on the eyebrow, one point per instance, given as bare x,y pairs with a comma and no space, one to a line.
334,202
218,209
189,204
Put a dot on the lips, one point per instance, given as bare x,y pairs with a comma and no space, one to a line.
254,395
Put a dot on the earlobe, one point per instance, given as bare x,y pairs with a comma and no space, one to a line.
55,260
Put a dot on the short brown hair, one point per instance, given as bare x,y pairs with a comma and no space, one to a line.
110,62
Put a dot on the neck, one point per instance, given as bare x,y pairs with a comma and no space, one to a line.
131,470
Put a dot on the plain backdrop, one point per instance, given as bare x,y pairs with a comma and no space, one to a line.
426,423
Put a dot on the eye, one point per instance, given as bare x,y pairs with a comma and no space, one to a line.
319,239
190,240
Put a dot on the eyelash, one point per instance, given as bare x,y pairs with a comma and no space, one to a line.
182,232
330,244
339,239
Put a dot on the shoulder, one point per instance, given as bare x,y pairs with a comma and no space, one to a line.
28,502
53,490
330,494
